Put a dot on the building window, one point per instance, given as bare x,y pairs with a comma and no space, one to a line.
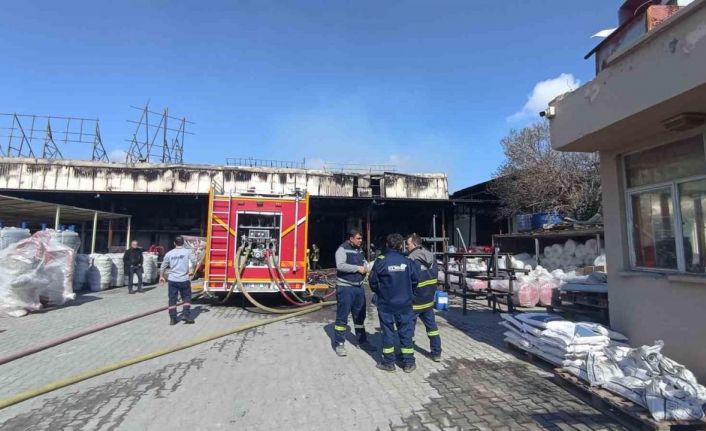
666,195
692,199
653,229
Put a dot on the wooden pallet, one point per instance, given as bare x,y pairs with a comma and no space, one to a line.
623,410
531,357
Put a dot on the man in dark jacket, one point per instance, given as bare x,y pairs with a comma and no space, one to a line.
425,291
393,278
132,259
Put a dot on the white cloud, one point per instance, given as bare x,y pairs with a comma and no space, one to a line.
542,94
117,156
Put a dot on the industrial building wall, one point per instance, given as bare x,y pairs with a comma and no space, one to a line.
649,306
330,220
158,218
99,177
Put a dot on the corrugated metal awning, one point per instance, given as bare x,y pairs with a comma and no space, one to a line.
12,208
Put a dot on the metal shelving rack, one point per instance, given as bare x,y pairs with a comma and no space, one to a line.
490,274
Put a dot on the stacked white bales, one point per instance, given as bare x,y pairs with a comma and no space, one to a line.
99,272
11,235
571,255
150,268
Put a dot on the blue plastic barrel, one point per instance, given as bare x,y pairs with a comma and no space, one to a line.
441,300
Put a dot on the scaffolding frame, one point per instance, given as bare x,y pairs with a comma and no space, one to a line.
25,135
156,141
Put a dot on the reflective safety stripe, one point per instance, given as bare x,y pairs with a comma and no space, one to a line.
359,326
407,350
426,283
340,328
388,350
382,256
186,304
433,333
172,307
422,306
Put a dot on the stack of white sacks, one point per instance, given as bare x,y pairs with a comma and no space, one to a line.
117,269
602,358
99,272
11,235
34,268
150,268
81,268
571,255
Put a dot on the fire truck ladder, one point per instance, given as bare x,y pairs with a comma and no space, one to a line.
220,219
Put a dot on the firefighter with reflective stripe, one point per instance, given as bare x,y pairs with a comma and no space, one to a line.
351,268
425,291
393,278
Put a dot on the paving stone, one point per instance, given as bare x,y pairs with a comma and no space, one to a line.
283,373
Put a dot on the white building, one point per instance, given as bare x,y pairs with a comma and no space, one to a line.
645,113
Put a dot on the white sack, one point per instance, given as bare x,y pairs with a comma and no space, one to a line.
35,268
99,272
12,235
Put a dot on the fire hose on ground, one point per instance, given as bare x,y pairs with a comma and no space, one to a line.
38,348
298,302
285,314
26,395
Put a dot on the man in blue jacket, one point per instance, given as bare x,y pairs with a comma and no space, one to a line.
393,279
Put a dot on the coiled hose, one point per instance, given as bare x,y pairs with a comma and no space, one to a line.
240,268
283,282
250,298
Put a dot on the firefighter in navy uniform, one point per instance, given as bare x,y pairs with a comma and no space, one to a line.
424,292
393,278
351,268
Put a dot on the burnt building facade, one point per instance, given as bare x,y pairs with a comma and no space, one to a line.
166,200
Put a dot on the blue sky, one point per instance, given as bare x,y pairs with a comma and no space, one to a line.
429,86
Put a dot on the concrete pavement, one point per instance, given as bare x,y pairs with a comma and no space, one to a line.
283,375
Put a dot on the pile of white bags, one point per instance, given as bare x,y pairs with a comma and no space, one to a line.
99,272
32,269
518,261
648,378
150,269
11,235
572,255
81,267
117,270
600,357
558,341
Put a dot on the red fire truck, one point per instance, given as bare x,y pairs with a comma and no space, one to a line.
257,240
